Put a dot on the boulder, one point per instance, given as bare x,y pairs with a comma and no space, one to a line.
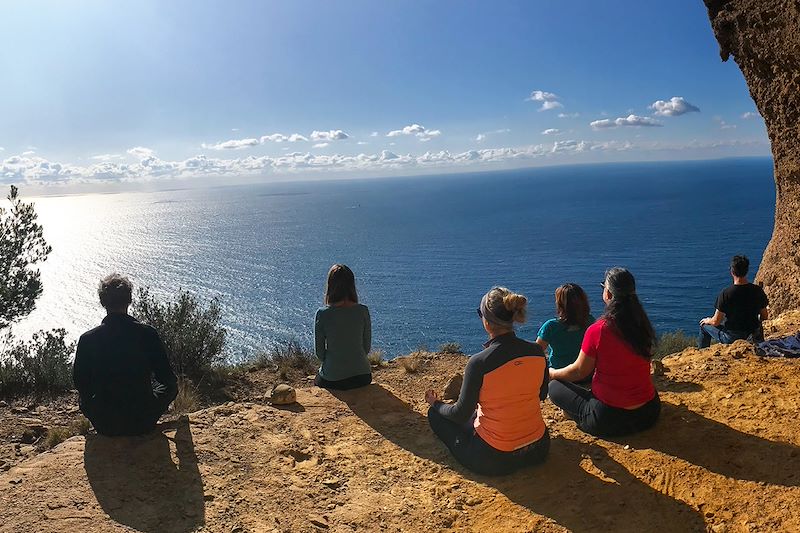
283,394
453,388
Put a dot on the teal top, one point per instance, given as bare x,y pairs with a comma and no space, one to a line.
342,340
565,341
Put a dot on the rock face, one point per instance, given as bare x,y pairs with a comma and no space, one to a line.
763,36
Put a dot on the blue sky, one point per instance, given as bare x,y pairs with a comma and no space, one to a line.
99,92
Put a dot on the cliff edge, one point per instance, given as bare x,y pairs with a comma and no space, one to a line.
725,457
763,36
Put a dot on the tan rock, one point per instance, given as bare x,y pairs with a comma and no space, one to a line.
283,394
453,388
763,36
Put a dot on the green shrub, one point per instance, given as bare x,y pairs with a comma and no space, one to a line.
191,331
40,366
450,348
673,342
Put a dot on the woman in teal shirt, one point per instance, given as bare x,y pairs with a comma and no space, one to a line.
342,334
563,335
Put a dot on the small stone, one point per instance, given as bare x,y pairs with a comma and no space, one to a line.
729,396
626,447
709,514
719,528
3,403
473,501
283,394
332,482
761,390
453,388
15,481
319,521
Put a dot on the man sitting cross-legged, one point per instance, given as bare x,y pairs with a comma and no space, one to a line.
739,311
121,368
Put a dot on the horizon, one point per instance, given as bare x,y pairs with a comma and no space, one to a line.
120,96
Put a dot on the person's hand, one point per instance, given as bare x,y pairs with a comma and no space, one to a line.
431,397
705,320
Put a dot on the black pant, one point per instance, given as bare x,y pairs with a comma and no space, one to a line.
125,421
599,419
473,452
362,380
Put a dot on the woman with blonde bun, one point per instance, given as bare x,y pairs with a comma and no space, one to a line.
496,426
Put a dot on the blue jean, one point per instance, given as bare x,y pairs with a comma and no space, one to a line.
722,335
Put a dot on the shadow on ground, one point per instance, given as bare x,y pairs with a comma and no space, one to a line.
580,486
719,448
138,484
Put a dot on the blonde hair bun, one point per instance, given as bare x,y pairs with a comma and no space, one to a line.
517,304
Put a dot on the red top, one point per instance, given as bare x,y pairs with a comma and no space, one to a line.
621,376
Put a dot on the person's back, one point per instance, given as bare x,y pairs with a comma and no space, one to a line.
509,413
621,376
115,367
562,336
739,309
342,334
346,333
742,305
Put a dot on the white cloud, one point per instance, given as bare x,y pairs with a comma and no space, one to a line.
322,145
2,149
362,143
549,100
29,152
750,115
234,129
233,144
296,137
724,125
673,107
330,135
141,152
485,135
373,134
106,157
32,169
273,137
630,120
421,132
551,131
568,115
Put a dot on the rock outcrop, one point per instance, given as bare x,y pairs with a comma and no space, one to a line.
763,36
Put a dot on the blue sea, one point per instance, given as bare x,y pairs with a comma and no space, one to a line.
424,249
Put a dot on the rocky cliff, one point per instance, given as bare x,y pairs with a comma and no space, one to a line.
763,36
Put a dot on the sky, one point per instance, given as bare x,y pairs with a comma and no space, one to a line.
103,94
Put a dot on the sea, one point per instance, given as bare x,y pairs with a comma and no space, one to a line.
424,249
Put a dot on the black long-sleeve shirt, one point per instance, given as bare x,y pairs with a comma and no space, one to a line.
114,367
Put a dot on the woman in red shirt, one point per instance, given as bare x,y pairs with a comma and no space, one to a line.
617,348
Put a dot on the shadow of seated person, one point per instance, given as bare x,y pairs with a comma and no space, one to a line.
583,488
579,485
719,448
146,484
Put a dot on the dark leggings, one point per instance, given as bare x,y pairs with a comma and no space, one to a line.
599,419
116,423
354,382
473,452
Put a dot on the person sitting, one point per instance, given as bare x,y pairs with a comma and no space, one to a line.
739,311
342,334
121,371
506,383
617,348
562,336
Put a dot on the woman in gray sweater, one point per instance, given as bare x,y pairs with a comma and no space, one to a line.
342,334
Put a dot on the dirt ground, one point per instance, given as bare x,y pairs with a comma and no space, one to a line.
724,457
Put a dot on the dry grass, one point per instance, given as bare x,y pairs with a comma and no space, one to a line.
187,399
56,436
411,363
376,359
450,348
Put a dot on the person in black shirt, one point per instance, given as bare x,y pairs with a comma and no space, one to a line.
121,370
739,310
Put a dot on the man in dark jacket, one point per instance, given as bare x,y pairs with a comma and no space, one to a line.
121,368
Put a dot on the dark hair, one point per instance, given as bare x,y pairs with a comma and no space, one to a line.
740,264
115,291
572,305
626,314
341,285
